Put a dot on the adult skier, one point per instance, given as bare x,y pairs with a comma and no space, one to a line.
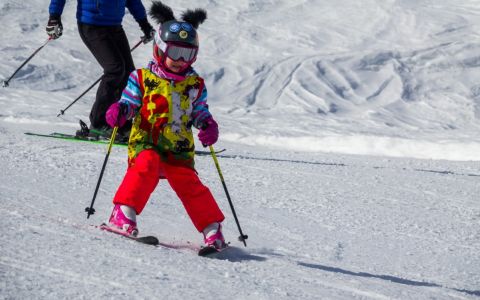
100,28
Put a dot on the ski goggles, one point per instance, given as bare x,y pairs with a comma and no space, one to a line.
186,53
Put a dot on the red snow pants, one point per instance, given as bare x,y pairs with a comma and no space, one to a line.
143,175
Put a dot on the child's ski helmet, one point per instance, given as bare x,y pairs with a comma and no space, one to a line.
174,32
178,32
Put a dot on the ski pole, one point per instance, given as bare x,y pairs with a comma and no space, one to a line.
90,210
242,236
5,82
62,111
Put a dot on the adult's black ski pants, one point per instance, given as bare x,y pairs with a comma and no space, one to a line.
109,45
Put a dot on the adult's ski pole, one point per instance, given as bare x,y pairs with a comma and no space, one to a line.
242,236
62,111
90,210
5,82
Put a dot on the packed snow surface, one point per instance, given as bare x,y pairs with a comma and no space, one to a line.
353,157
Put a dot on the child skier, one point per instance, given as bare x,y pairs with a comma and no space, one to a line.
165,100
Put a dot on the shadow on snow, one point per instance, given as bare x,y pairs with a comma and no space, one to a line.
234,254
383,277
236,156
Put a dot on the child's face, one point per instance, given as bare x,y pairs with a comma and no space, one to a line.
175,66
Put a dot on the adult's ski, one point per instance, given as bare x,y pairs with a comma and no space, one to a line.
71,137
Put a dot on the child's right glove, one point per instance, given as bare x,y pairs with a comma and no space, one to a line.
208,134
115,115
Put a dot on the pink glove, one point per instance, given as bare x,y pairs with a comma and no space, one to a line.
115,115
208,135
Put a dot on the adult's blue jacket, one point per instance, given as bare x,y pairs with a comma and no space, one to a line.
101,12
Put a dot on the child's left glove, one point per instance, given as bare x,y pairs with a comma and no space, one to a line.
115,115
208,134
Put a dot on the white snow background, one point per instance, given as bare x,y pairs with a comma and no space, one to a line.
351,130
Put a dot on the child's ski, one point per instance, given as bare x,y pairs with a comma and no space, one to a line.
148,239
151,240
207,251
71,137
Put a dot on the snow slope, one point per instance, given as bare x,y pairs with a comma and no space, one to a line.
395,78
289,82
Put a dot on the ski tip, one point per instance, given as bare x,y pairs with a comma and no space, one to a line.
205,251
210,250
149,240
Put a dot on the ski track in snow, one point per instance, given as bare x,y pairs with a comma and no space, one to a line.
299,90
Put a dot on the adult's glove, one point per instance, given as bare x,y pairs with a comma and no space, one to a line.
208,134
147,30
116,115
54,27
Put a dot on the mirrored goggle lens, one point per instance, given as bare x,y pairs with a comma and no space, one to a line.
176,53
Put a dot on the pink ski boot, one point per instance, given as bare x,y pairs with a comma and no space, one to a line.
213,236
123,220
